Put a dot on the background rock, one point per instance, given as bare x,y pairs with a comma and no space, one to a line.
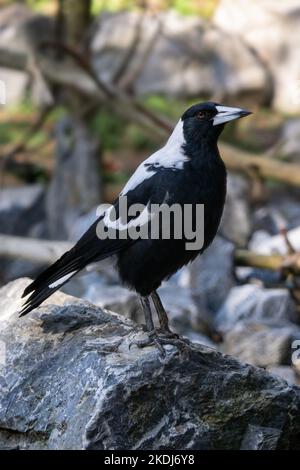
22,212
260,344
211,280
255,20
22,30
21,208
236,220
187,57
69,197
285,372
288,144
70,381
253,303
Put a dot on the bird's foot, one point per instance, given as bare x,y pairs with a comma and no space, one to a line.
159,338
153,338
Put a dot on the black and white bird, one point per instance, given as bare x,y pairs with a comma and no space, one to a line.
187,170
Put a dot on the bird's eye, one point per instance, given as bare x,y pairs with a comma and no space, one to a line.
202,114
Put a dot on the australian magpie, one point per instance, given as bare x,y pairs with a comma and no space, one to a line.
188,170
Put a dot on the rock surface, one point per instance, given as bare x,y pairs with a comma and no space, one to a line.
261,345
75,187
254,304
286,372
210,285
21,208
175,55
271,29
22,213
236,219
288,143
22,30
69,381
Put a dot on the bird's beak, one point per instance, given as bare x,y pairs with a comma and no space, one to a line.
228,113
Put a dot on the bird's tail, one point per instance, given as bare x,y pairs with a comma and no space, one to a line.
87,250
49,281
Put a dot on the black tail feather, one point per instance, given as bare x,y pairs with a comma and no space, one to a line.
87,250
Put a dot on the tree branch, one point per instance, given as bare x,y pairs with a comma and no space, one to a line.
30,249
81,77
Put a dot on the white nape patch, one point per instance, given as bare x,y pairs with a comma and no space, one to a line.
169,156
60,281
226,114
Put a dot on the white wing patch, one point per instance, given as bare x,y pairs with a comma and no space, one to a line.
142,219
60,281
169,156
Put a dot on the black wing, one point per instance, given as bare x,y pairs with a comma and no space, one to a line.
90,248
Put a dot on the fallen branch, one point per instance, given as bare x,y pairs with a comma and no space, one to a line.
275,262
31,249
266,168
84,80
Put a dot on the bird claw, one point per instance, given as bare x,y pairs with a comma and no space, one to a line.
160,338
153,339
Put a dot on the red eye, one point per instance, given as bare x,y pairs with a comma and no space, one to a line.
201,114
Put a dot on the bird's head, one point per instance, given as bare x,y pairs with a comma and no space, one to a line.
207,120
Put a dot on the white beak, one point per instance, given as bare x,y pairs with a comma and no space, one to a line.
228,113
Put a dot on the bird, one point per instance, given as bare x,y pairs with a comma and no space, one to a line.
187,170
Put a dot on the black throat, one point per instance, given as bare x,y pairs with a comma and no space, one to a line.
201,146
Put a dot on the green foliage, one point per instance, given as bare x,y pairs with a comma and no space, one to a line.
112,5
11,132
170,107
138,139
38,4
109,128
204,8
116,133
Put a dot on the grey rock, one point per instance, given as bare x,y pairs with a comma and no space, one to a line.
261,345
185,315
69,380
82,224
15,81
263,243
21,208
75,188
13,269
282,210
22,30
21,212
201,60
117,299
236,220
212,275
253,303
260,438
288,143
252,21
285,372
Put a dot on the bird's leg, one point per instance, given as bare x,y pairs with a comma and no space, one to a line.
158,337
161,313
147,314
152,334
164,321
162,316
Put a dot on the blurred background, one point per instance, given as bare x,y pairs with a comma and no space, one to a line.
89,88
